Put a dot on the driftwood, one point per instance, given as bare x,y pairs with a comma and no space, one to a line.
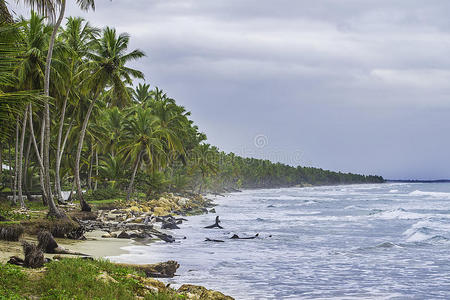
213,240
215,225
160,270
236,237
48,244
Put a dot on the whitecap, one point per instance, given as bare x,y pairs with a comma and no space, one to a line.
440,195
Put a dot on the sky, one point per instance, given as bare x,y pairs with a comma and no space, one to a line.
348,85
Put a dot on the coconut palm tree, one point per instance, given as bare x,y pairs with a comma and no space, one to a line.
204,160
107,69
143,140
77,36
142,93
49,8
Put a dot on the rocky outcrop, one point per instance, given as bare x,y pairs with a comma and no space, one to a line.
160,270
201,293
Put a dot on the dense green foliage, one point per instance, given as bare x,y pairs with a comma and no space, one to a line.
106,134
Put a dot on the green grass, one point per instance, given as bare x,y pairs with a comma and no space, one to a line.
75,279
12,279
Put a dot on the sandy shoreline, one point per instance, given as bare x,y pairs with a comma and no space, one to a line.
94,245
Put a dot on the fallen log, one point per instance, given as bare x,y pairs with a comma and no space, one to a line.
213,240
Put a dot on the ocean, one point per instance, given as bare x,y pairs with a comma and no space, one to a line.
378,241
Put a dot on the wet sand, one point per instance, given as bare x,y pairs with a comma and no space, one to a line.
94,245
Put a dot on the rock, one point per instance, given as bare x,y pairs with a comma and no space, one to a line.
105,277
135,209
213,211
123,235
161,211
138,235
169,225
201,293
152,285
107,235
160,270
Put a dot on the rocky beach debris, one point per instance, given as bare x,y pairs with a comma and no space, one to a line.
146,219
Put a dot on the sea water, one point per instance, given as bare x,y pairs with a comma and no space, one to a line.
381,241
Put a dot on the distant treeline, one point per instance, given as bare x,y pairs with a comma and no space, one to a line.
237,172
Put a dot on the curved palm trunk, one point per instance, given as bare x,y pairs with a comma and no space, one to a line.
53,210
136,167
83,203
22,145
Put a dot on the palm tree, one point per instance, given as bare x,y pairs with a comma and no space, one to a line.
107,70
77,37
48,8
204,160
142,141
142,93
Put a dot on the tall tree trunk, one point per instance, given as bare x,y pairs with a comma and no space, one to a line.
53,210
83,203
91,163
69,199
58,151
38,155
16,151
21,149
5,16
58,162
11,184
1,162
26,184
96,170
45,195
133,175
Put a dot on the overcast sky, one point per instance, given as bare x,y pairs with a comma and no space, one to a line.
349,85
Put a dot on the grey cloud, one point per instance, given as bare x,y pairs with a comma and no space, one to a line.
352,85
